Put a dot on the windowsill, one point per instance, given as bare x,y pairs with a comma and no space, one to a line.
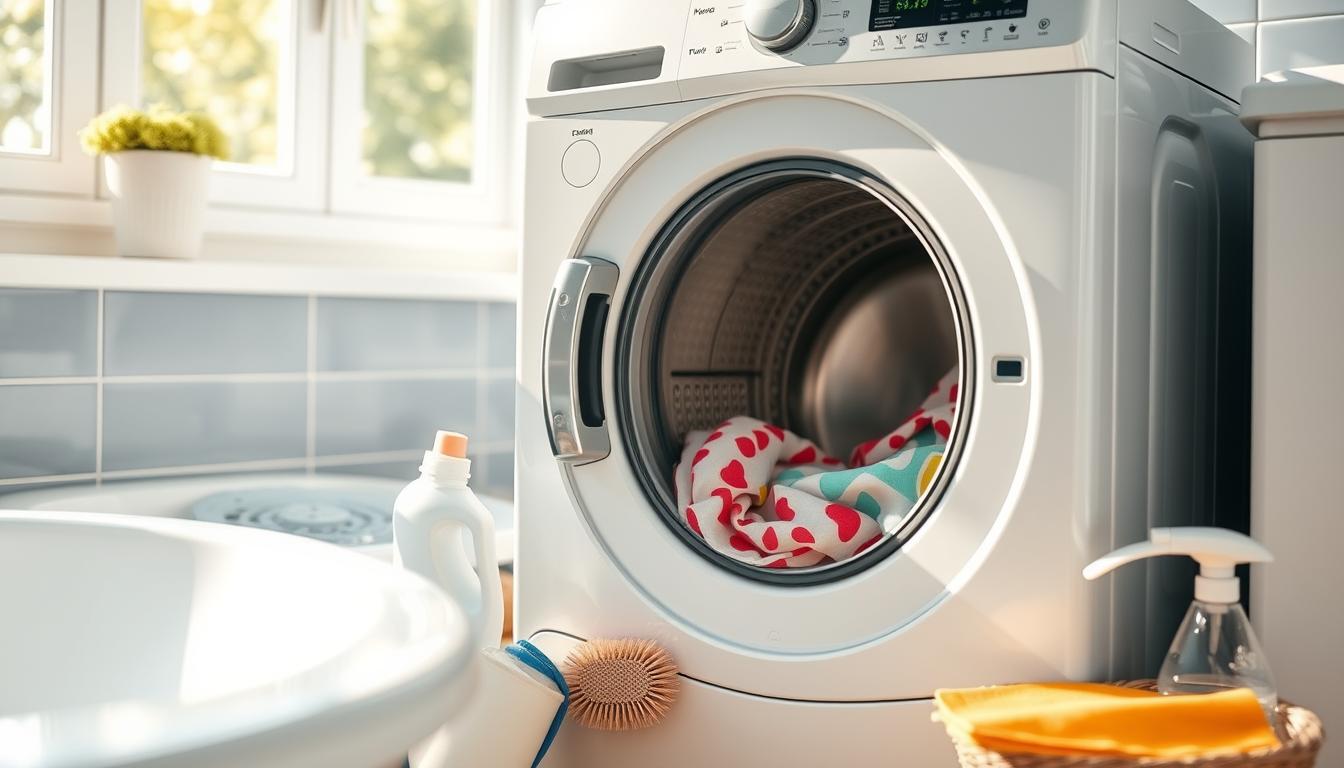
62,226
251,277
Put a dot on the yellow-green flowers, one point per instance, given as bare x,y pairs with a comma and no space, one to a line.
122,128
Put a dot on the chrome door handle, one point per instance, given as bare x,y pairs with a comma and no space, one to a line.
572,370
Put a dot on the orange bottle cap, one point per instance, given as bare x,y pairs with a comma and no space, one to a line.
452,444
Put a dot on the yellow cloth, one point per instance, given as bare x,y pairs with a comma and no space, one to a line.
1105,720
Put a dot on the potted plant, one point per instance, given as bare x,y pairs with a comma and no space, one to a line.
157,165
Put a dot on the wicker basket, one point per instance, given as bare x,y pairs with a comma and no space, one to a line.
1305,736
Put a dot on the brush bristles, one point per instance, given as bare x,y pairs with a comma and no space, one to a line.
620,685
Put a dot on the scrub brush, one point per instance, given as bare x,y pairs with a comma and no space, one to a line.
620,685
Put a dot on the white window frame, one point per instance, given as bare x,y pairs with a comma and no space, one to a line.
71,40
483,200
301,185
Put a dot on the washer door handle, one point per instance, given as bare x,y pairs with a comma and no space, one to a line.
572,370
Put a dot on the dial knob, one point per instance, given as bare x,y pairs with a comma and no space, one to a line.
779,24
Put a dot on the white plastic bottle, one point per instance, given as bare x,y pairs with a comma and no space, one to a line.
429,518
504,707
1215,649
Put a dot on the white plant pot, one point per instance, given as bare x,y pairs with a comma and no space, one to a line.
158,201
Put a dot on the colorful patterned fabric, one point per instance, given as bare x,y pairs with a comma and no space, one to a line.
767,497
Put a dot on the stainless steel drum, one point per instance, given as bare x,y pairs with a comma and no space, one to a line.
800,292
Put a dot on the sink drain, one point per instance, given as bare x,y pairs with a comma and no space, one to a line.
346,518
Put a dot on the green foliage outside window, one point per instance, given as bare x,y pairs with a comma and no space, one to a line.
24,118
419,66
228,59
223,58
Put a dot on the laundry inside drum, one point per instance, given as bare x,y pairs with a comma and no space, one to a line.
786,330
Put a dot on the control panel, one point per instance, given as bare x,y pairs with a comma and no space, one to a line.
745,35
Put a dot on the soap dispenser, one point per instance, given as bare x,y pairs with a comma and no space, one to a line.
1215,648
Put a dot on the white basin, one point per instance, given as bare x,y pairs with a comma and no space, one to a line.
149,641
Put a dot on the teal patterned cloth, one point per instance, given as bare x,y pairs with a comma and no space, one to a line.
765,496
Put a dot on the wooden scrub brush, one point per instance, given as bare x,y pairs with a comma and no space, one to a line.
620,685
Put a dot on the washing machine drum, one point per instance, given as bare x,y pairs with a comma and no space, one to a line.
805,294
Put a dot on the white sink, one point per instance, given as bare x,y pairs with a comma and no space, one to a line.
148,641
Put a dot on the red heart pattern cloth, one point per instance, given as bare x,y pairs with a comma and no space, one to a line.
770,498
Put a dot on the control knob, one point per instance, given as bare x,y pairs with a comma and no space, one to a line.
779,24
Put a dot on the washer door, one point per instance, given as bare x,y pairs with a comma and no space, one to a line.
817,279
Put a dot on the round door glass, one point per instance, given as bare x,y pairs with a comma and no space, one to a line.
791,372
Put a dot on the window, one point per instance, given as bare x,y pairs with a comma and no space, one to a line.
259,67
397,109
419,63
420,135
228,58
25,77
42,41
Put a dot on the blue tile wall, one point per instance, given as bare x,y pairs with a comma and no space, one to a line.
501,320
47,430
498,409
391,334
368,416
48,333
190,424
174,333
213,383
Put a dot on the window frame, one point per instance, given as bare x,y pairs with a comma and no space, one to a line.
64,208
72,35
303,93
483,200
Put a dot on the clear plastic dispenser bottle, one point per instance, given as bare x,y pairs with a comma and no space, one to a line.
1215,648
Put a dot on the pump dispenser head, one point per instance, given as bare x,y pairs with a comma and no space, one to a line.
1217,550
1216,647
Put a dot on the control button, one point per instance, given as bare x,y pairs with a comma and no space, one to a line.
1044,24
779,24
580,164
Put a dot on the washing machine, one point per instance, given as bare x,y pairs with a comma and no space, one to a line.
809,212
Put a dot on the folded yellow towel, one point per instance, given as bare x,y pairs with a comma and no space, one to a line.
1105,720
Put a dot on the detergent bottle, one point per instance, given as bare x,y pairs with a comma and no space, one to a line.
510,702
429,518
1215,647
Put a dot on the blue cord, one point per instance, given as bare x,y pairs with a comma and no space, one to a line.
532,656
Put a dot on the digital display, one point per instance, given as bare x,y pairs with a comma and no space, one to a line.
898,14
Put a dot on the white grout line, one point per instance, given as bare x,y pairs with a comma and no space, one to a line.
29,382
98,396
385,457
311,426
263,465
429,374
52,479
266,465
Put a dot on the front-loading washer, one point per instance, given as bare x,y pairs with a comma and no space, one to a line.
811,215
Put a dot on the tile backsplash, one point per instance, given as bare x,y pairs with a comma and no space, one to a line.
1288,34
113,384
